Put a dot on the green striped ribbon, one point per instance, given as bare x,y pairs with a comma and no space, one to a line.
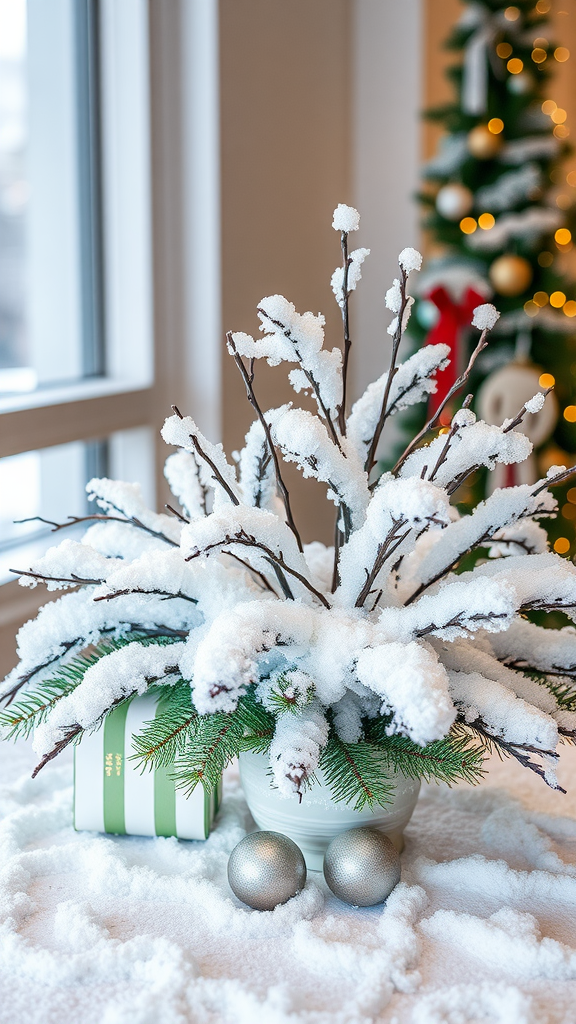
164,792
164,787
114,761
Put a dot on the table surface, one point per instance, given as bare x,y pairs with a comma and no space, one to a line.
109,930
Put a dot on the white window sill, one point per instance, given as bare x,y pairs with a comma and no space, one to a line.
96,387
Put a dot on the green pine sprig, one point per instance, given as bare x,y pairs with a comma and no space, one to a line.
356,773
20,718
455,758
167,736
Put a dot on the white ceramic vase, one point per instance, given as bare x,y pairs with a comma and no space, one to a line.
314,822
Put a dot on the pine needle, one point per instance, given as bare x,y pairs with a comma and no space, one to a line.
455,758
164,738
356,773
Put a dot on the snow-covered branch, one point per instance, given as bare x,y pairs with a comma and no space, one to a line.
258,536
303,439
413,382
182,431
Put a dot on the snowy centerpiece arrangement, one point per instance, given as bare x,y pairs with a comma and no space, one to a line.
406,647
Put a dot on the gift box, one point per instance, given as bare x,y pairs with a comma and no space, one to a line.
112,793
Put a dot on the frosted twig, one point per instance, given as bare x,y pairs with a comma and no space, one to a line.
453,430
164,594
520,416
248,378
433,421
176,513
68,737
460,620
518,751
74,580
307,373
385,550
371,456
259,575
346,326
218,475
276,561
102,518
558,479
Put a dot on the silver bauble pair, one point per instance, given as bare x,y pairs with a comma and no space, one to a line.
266,869
362,867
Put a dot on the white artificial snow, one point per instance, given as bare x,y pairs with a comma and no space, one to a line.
115,676
253,534
347,716
117,496
396,508
459,608
504,506
189,481
474,445
509,937
485,316
524,538
410,259
535,404
413,685
179,431
121,540
303,439
412,382
540,581
320,562
346,218
68,564
394,296
504,714
525,644
257,476
393,325
297,338
226,661
356,259
467,658
296,747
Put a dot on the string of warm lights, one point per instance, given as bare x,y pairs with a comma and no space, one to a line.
540,55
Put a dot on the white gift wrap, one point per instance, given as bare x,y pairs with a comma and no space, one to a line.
113,794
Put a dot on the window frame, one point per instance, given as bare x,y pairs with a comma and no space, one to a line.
160,144
125,397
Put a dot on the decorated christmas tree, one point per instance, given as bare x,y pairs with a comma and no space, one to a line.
499,216
385,652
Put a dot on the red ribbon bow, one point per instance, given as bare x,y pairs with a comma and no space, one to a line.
453,316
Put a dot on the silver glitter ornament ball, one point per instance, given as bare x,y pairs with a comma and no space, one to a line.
266,869
361,867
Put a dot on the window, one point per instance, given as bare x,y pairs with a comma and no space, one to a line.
100,93
77,394
51,297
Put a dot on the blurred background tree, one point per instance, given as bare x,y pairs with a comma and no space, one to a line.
499,215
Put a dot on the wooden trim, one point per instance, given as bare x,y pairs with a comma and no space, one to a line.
29,429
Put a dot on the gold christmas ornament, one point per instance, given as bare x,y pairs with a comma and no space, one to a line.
510,275
454,201
482,143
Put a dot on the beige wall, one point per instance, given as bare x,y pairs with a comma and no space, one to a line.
285,158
